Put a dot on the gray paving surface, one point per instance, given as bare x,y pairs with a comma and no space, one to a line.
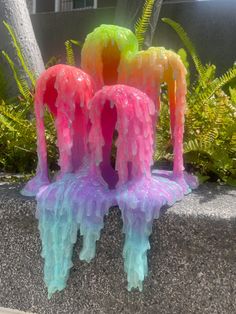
192,262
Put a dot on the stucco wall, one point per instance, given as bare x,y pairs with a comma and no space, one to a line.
45,6
52,30
106,3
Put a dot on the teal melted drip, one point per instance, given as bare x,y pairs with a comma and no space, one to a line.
58,230
91,224
137,231
58,235
91,233
62,208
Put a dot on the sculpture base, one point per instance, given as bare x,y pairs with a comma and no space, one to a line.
34,185
79,202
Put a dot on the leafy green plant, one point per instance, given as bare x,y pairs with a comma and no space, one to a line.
210,128
19,53
142,24
53,61
17,123
70,56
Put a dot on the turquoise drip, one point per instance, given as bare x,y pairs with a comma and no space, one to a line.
58,234
91,234
137,230
61,213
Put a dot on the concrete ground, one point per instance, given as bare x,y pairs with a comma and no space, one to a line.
4,310
192,261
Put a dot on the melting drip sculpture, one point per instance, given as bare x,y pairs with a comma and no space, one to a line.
118,97
66,91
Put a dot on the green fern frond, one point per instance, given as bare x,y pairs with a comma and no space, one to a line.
19,53
227,76
233,143
14,117
187,42
184,58
52,61
208,75
210,137
141,25
217,84
12,124
223,111
21,84
70,58
12,120
76,43
7,123
198,146
232,92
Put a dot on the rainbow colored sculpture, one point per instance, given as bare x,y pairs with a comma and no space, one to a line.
117,92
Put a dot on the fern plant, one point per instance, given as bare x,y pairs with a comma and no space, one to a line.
19,53
70,56
17,123
210,128
188,44
141,25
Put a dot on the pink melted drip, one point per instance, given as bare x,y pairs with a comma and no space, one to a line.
66,91
132,112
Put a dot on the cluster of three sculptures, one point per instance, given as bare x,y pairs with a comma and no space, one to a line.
117,91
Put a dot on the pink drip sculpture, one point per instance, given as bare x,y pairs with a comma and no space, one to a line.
118,97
